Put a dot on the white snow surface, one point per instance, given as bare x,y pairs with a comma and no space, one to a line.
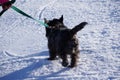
23,45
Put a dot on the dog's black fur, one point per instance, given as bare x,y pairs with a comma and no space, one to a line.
62,41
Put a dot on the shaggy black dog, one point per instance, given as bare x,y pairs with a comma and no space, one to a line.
62,41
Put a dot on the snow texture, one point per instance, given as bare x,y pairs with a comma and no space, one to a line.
23,45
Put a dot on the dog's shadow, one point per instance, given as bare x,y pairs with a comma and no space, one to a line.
36,63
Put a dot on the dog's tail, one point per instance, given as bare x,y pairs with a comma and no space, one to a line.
78,28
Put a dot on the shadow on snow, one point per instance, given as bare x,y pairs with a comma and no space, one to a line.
36,64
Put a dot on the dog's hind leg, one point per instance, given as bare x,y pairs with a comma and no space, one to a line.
64,60
74,58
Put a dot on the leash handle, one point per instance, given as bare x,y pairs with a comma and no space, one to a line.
25,14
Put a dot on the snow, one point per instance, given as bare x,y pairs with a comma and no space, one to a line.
23,45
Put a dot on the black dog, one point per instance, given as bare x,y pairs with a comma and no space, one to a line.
62,41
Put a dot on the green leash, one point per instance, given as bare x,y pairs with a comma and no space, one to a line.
23,13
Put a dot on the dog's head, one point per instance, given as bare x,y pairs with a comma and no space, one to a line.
53,24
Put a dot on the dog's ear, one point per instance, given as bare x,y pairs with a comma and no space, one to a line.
61,19
45,20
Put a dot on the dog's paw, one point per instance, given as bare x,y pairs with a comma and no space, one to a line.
65,64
